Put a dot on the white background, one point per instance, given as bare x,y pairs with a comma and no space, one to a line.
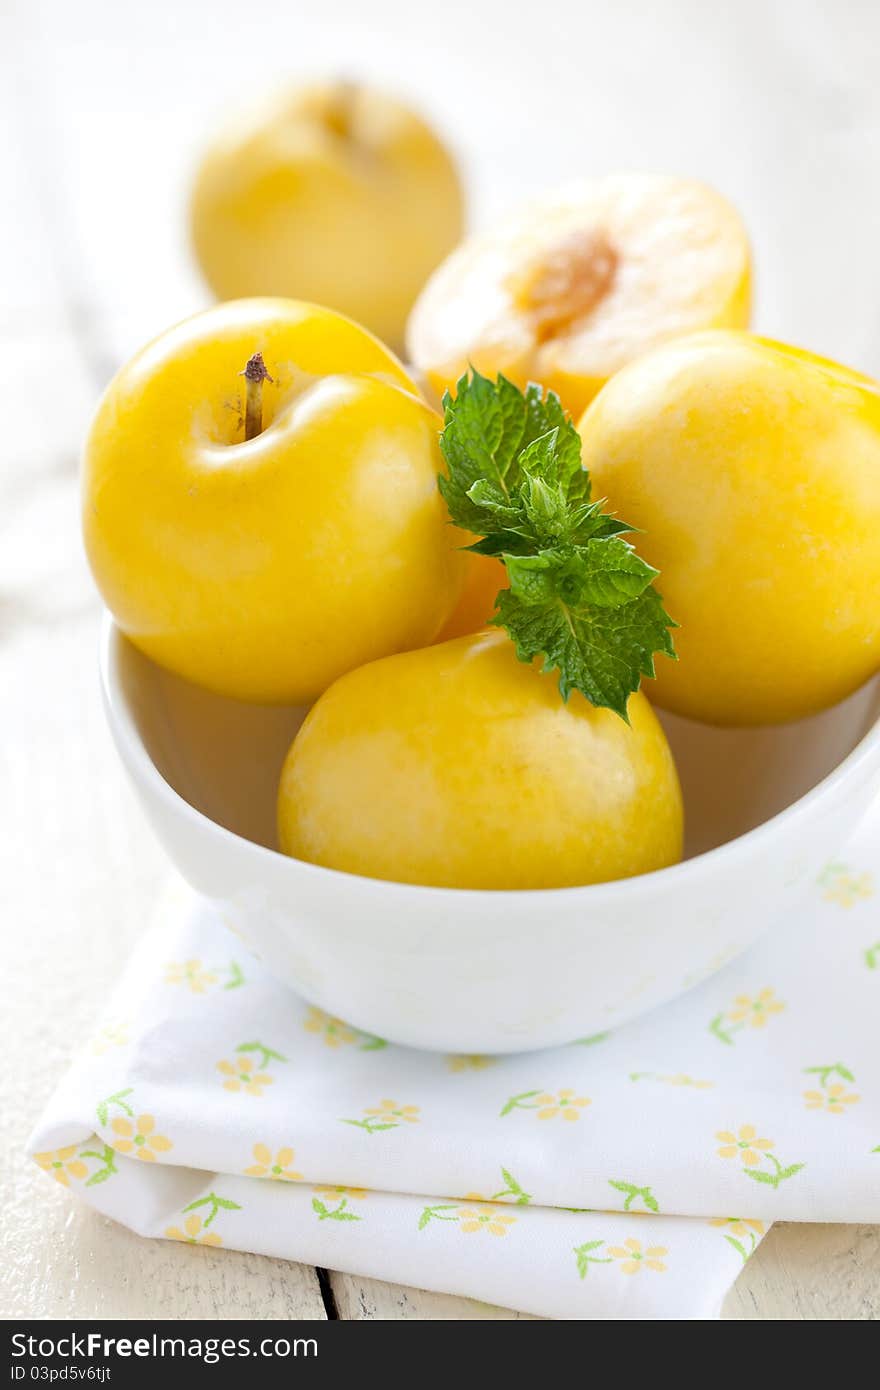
103,106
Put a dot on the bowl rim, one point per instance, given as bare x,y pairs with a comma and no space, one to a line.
134,753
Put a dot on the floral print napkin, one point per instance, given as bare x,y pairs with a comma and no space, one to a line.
627,1175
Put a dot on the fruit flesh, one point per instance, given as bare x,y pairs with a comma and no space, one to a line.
583,282
460,766
753,472
332,192
264,569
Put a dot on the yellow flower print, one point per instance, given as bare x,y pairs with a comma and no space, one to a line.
634,1258
470,1062
484,1217
835,1100
192,1233
680,1078
746,1011
389,1112
241,1075
755,1011
744,1145
268,1167
334,1032
741,1226
330,1193
113,1035
62,1164
484,1214
565,1103
192,974
137,1137
845,888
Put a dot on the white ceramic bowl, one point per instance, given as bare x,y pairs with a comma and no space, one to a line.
477,971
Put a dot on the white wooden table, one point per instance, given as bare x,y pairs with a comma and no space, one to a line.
101,106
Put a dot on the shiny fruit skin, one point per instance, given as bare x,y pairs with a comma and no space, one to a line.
332,192
484,578
459,766
265,569
572,288
753,472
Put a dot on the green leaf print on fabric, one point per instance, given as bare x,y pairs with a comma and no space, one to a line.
266,1054
474,1215
746,1011
584,1256
779,1175
548,1104
216,1205
339,1213
336,1033
833,1097
388,1114
436,1213
118,1099
844,886
746,1145
195,1228
741,1233
833,1069
636,1194
519,1103
236,976
512,1190
106,1164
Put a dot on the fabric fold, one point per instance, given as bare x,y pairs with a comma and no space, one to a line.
625,1175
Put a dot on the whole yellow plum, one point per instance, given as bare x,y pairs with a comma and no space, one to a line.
333,192
753,471
260,537
460,766
575,286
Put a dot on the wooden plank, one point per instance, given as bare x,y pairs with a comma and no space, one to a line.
810,1272
80,872
370,1300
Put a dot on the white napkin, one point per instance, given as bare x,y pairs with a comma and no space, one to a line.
628,1175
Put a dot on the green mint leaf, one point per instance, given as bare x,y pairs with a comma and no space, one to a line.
545,413
580,596
489,497
610,573
484,429
606,574
602,652
488,429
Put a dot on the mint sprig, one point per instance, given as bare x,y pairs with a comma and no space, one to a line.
580,595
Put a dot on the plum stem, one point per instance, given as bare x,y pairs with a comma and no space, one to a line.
342,107
255,374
